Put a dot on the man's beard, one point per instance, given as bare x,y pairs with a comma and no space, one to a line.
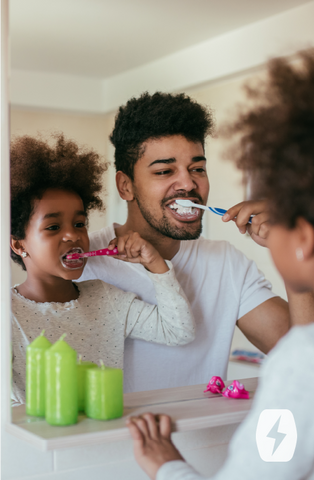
165,227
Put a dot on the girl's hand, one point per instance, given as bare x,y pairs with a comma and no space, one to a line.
151,442
134,249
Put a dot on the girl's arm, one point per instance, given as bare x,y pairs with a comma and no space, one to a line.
170,321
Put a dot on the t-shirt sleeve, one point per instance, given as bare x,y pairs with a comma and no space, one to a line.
250,284
170,322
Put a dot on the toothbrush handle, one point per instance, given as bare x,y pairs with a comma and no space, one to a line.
222,211
103,251
95,253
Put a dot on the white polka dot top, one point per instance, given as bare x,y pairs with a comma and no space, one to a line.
99,320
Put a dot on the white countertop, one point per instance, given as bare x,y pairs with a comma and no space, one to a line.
189,408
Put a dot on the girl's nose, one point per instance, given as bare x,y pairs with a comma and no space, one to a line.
71,234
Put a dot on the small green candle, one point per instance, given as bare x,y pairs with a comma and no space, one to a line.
104,393
35,376
61,384
82,367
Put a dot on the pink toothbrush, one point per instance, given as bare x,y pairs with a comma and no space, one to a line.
96,253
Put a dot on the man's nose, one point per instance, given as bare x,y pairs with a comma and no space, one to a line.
184,181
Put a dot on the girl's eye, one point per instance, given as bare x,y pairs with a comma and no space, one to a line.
80,225
53,227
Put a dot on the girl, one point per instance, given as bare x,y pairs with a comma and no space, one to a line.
277,150
53,189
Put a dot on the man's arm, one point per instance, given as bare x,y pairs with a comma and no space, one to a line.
267,323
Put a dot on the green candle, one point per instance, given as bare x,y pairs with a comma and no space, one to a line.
82,367
61,384
104,393
35,376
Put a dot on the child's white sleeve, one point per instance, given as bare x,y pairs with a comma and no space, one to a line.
170,322
177,470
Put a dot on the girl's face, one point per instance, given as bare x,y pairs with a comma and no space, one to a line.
286,245
56,228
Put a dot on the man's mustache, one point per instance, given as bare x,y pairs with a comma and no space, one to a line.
183,195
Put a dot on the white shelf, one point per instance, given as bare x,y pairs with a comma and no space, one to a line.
189,408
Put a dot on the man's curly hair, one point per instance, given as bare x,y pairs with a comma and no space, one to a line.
277,140
36,166
155,116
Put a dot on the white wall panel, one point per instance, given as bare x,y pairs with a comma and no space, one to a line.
237,51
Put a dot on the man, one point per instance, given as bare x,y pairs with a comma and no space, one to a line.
159,157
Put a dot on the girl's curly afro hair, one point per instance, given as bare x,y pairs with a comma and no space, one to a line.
36,166
277,139
155,116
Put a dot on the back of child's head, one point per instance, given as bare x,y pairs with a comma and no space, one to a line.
37,166
277,139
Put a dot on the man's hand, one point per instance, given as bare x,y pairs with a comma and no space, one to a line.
241,213
152,443
134,249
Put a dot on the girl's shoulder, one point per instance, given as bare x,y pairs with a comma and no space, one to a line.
294,351
91,293
89,288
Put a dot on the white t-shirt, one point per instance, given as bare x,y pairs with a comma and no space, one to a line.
221,285
286,383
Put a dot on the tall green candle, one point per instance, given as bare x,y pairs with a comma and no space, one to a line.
104,393
35,376
82,367
61,384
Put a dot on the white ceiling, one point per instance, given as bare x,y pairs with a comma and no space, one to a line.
101,38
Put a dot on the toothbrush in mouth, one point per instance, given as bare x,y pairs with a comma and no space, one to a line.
95,253
218,211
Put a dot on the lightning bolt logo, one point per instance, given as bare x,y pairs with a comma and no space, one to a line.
277,436
269,439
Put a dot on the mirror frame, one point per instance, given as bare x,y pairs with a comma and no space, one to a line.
5,220
216,69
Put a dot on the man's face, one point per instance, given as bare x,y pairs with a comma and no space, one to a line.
171,168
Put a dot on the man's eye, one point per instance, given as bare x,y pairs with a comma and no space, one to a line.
199,169
164,172
53,227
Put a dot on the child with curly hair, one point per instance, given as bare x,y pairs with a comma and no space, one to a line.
277,150
52,190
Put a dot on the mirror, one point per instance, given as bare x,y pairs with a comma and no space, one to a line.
74,62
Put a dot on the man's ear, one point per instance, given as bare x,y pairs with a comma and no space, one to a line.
124,186
17,246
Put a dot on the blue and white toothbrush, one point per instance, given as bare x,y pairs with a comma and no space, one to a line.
218,211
